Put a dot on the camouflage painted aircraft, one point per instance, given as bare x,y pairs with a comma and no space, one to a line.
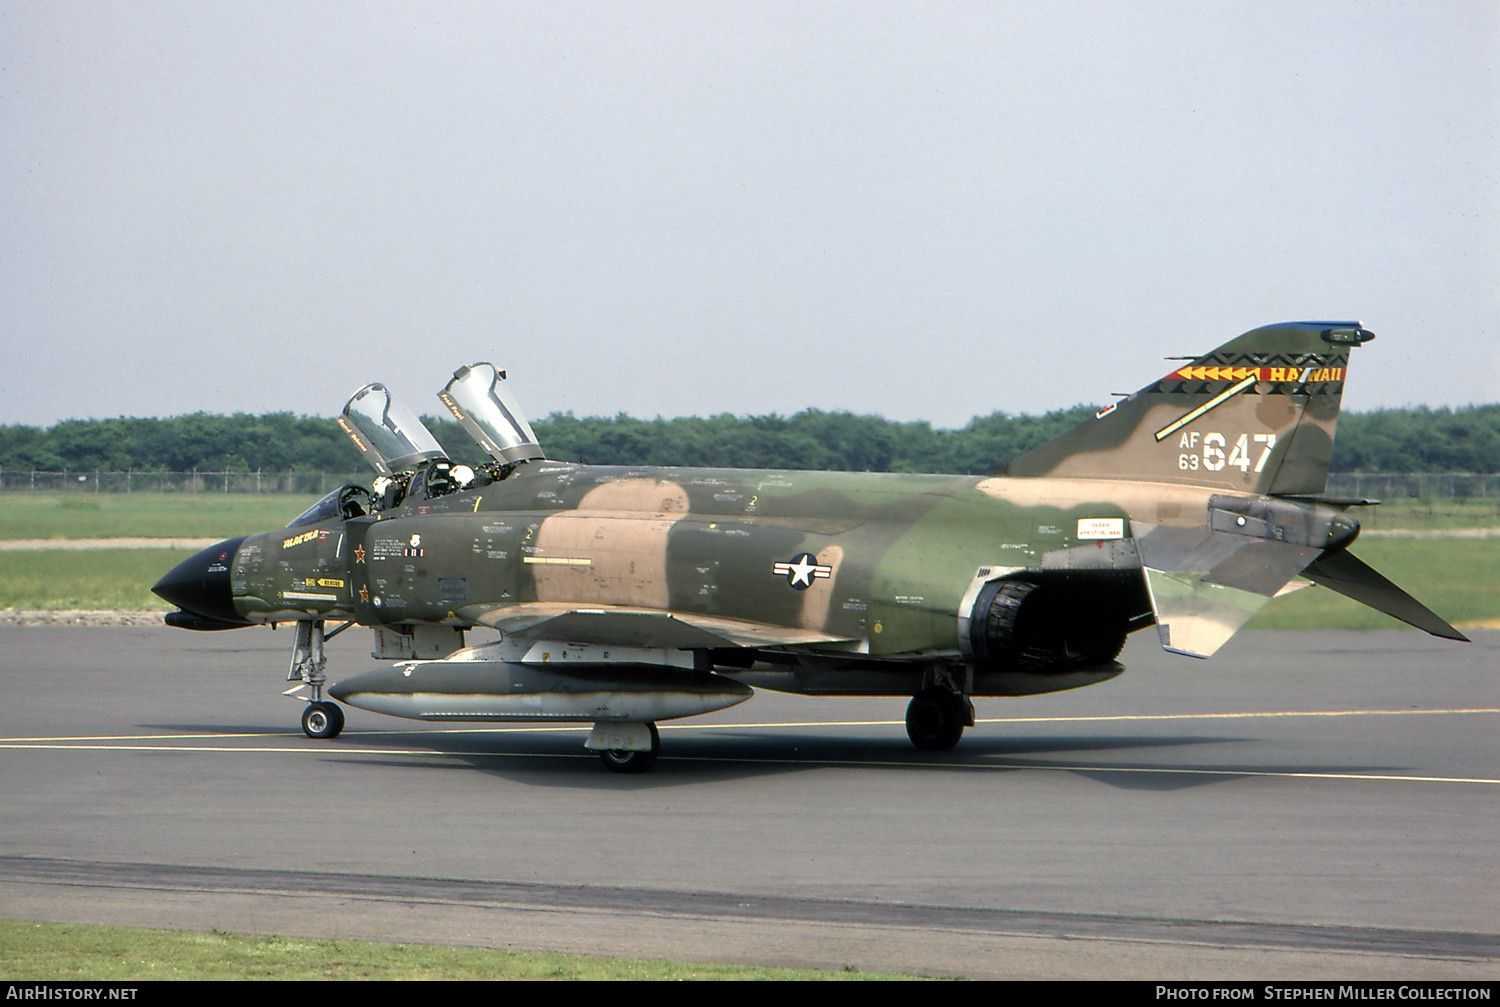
629,595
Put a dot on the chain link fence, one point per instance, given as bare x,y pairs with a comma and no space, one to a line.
196,481
1414,485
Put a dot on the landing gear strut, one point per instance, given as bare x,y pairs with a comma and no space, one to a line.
938,714
321,719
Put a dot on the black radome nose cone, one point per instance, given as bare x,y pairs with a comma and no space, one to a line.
200,583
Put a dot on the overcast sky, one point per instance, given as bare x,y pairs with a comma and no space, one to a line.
922,210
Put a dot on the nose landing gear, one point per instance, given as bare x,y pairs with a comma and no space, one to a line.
321,719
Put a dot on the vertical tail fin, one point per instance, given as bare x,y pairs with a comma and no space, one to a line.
1257,415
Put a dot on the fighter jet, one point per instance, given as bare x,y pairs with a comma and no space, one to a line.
624,596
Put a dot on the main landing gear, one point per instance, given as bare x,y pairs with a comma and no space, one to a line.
321,719
626,748
937,716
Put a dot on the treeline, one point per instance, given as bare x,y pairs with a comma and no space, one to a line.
1391,440
807,440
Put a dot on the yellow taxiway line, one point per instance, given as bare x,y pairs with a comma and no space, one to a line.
540,728
153,743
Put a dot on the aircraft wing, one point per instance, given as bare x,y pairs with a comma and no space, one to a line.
637,627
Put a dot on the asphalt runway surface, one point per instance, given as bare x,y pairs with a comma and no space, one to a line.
1304,805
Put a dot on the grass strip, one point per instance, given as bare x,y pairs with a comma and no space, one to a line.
1430,515
95,579
66,952
149,515
1456,578
30,515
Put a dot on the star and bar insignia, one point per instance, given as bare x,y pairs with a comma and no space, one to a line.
801,571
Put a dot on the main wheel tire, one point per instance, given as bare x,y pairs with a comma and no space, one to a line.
935,719
622,760
323,721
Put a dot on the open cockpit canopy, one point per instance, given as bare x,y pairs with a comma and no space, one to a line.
388,434
478,399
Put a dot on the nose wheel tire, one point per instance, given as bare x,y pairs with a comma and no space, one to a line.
935,719
619,760
322,720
